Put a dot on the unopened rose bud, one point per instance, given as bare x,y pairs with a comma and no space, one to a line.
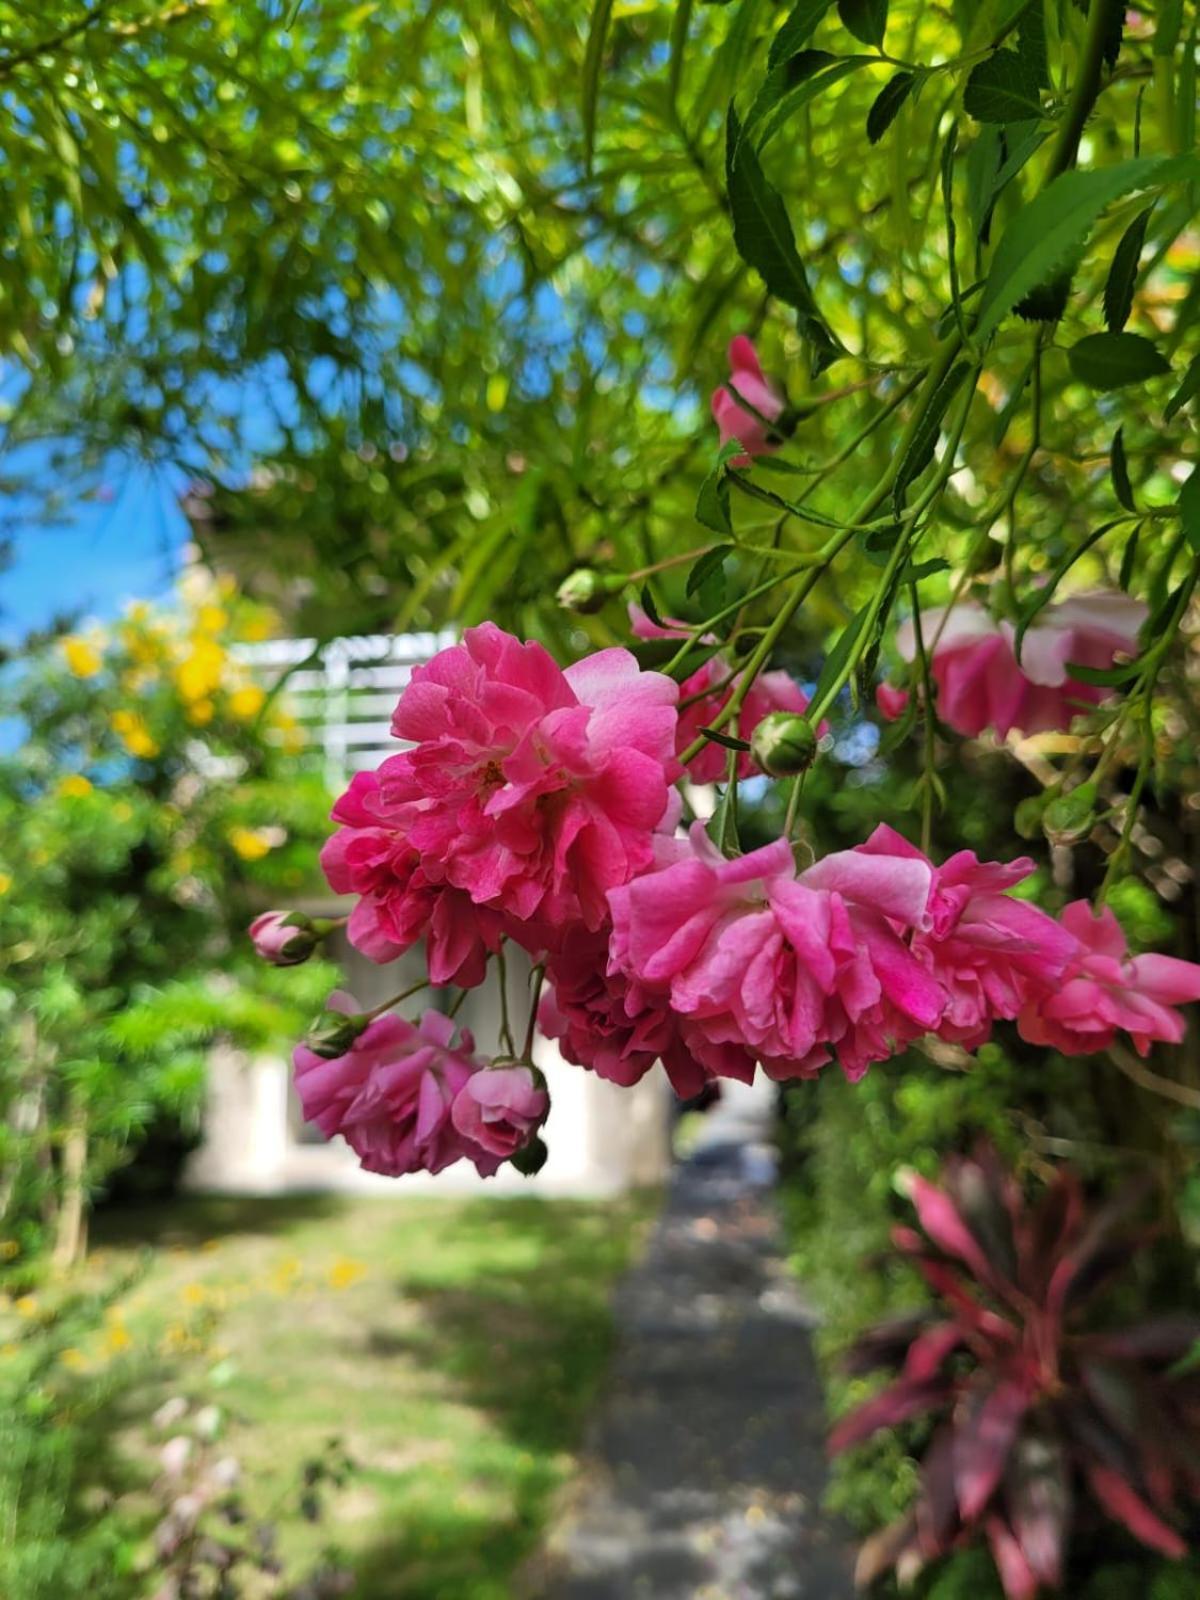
1027,818
783,743
285,938
891,701
1071,817
587,590
334,1033
530,1158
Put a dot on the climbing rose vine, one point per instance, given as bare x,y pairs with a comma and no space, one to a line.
544,807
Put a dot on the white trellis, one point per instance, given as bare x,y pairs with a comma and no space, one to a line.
342,693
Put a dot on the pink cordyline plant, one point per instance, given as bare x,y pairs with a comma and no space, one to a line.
1043,1413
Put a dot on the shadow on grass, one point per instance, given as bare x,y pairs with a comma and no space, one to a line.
195,1219
525,1339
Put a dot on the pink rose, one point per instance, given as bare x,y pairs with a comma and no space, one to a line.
529,792
987,950
390,1096
1105,989
500,1109
791,968
284,938
748,384
891,701
979,682
618,1027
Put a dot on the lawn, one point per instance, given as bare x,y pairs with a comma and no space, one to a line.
454,1347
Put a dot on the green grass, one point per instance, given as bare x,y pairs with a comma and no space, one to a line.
454,1348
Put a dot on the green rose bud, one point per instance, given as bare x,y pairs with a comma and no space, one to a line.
335,1032
1071,817
587,590
783,743
530,1158
1027,818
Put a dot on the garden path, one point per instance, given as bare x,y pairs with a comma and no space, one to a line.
703,1472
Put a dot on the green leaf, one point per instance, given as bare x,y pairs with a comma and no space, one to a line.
712,502
797,30
887,103
1122,275
593,61
762,232
709,563
1003,88
840,654
807,87
1048,232
1189,509
1129,557
728,740
1187,390
949,149
924,441
649,607
1111,360
679,34
866,19
1119,466
782,80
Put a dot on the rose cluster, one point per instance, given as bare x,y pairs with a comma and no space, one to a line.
538,805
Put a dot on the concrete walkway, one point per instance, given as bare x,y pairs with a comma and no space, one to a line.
704,1470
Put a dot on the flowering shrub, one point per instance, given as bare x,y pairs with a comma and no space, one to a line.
1040,1407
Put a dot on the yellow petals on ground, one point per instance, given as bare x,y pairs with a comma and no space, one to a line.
82,657
344,1273
246,702
74,786
252,844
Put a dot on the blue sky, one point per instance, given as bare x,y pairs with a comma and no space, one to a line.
123,544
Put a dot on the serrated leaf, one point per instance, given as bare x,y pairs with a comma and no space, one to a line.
1112,360
709,563
1189,509
887,103
762,232
1003,88
865,19
593,60
712,502
1186,392
1122,275
797,30
1119,466
924,442
1048,232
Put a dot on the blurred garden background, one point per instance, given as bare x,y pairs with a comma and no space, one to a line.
329,328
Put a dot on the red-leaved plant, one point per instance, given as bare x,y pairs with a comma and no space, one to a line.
1037,1414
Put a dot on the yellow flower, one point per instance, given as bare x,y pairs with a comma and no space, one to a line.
246,702
26,1306
133,733
211,619
200,712
74,1360
345,1272
6,882
198,675
252,844
194,1294
82,658
74,786
116,1337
